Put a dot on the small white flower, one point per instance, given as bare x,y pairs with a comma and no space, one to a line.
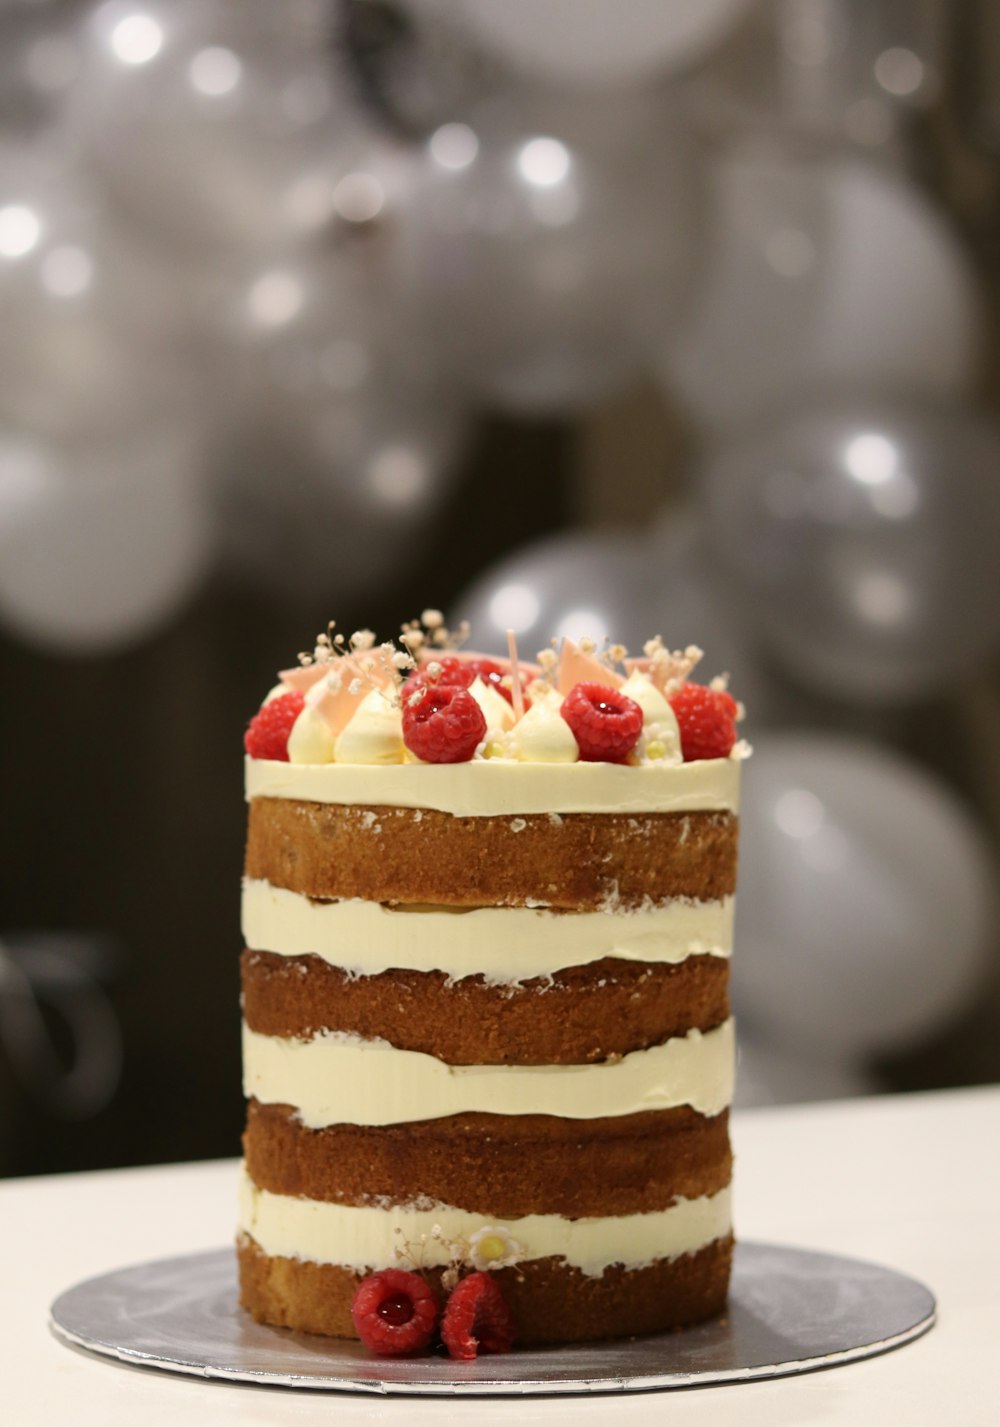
432,619
493,1246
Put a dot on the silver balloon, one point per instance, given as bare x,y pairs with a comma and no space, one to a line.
93,324
820,277
100,543
584,583
865,907
863,540
215,125
39,59
554,241
346,438
691,605
769,1074
835,70
570,42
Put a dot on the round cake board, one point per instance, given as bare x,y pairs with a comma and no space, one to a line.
790,1311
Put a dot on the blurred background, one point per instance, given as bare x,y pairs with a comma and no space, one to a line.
579,316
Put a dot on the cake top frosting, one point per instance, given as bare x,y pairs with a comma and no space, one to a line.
427,700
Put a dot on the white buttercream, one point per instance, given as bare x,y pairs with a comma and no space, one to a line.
642,691
495,786
336,1078
374,734
496,710
503,944
661,737
543,735
369,1237
310,740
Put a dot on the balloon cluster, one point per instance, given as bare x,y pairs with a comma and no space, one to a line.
839,542
258,263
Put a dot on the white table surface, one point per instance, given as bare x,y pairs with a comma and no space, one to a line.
910,1181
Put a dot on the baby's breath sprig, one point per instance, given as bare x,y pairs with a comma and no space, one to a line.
326,648
672,668
430,631
360,662
491,1247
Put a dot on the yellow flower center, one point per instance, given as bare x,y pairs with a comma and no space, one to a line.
490,1248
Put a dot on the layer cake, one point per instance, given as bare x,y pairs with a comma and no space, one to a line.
486,1019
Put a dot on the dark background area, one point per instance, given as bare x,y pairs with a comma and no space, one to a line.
124,815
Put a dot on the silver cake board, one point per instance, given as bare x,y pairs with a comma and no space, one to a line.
790,1311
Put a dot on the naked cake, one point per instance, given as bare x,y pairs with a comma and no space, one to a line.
487,912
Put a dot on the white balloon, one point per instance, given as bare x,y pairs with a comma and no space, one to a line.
553,241
865,904
39,60
770,1075
347,438
588,42
833,71
99,544
92,322
821,276
862,539
584,583
689,606
214,125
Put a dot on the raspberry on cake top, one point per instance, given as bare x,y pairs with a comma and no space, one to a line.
618,722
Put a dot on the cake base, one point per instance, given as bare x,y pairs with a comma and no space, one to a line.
790,1311
551,1302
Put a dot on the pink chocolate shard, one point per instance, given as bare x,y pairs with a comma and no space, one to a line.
303,677
575,667
337,706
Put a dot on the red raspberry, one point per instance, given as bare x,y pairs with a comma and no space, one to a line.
493,676
457,672
444,725
394,1312
267,735
706,719
477,1319
461,673
605,723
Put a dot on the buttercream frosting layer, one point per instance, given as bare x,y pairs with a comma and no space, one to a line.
504,945
495,787
368,1237
335,1078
